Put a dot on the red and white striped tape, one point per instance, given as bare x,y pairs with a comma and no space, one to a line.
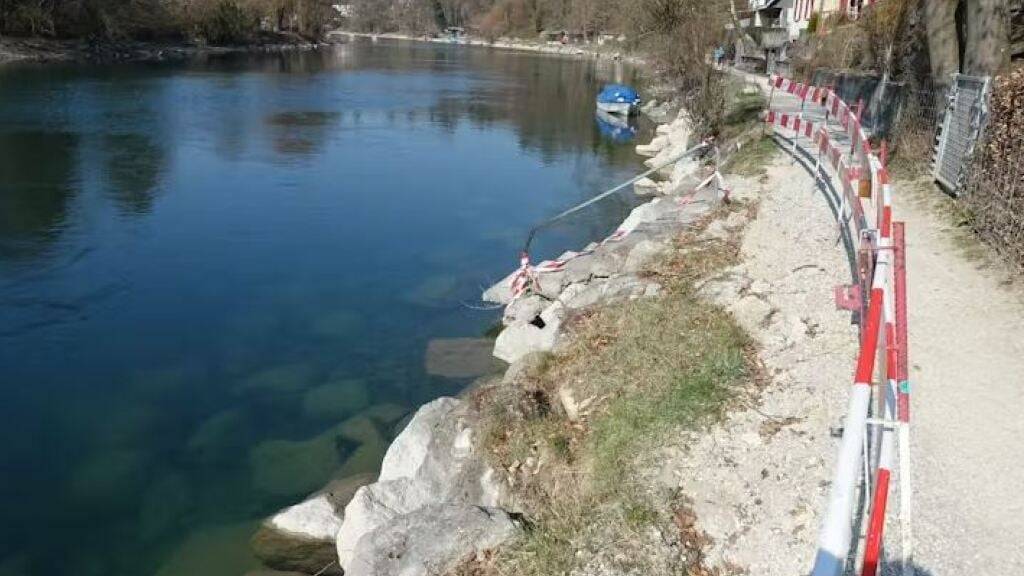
525,277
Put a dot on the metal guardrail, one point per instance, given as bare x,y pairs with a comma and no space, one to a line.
878,414
962,123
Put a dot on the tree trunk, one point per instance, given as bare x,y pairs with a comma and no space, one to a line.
943,44
988,37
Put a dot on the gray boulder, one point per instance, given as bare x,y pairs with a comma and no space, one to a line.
524,309
642,253
433,461
301,538
430,540
608,290
500,293
522,338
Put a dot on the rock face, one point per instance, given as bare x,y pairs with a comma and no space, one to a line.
447,534
432,462
301,538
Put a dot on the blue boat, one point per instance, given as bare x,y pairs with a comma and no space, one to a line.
618,99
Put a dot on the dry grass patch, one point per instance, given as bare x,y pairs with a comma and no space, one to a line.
752,157
576,432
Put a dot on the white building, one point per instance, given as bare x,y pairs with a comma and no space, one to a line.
795,15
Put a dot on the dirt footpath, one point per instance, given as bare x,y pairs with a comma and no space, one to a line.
966,321
759,481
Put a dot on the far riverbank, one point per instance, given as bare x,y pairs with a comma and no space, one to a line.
38,49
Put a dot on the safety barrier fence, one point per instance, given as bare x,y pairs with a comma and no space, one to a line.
877,421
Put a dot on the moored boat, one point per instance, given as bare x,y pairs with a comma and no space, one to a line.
618,99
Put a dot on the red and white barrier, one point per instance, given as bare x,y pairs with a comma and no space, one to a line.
882,362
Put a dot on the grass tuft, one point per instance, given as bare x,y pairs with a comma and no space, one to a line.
751,159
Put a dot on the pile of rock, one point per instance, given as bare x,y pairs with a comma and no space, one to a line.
601,274
670,141
436,502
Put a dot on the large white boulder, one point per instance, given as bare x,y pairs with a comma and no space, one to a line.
524,309
656,145
430,540
302,537
500,293
520,339
433,461
646,187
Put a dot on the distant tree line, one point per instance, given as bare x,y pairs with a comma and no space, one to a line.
213,21
527,18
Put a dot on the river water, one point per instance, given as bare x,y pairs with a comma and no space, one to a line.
219,278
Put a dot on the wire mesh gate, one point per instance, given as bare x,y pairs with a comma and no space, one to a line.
963,121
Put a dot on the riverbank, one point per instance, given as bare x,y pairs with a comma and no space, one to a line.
611,350
611,50
13,49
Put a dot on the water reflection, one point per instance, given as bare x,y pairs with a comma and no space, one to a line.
301,133
39,179
615,128
134,167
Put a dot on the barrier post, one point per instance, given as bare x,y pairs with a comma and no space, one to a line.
836,531
771,95
903,398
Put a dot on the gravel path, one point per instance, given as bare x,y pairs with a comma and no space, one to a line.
967,368
759,480
966,320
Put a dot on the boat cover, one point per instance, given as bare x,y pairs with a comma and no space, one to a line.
615,93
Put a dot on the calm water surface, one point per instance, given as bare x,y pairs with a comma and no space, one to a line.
218,279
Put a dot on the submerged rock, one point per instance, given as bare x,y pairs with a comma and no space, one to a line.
336,399
433,292
212,550
337,324
433,461
220,435
291,467
302,537
284,379
460,357
445,535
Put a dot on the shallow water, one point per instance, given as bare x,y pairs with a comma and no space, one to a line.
219,278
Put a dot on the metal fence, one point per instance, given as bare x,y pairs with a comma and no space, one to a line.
962,123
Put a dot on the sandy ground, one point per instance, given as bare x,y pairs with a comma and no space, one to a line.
966,321
760,479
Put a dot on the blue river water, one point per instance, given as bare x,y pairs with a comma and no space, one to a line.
219,278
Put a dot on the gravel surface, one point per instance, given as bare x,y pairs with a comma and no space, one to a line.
760,479
966,321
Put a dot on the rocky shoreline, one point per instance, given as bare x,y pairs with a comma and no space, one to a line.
48,50
507,44
438,499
